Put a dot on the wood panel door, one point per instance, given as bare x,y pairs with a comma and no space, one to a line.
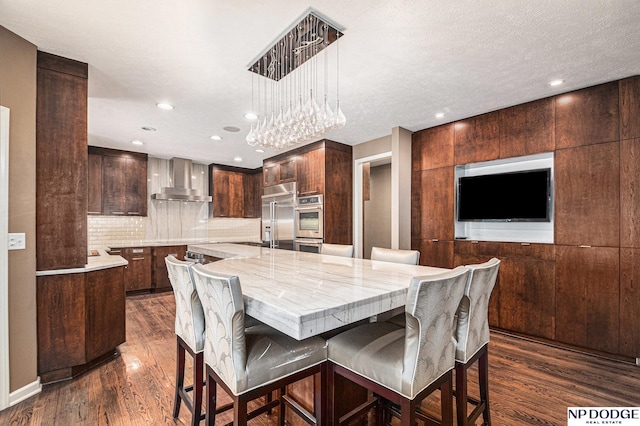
587,195
236,194
437,204
588,116
527,290
432,148
434,252
94,203
136,187
221,203
588,297
629,302
630,108
311,170
138,272
528,128
477,138
105,311
252,195
61,163
630,193
114,172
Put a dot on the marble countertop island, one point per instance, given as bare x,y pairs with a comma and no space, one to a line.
305,294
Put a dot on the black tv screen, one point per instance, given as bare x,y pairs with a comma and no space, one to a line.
522,196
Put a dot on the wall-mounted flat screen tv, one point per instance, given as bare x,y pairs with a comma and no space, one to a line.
523,196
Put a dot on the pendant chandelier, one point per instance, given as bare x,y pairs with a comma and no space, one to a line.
292,92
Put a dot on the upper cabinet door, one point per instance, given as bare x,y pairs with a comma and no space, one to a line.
588,116
477,138
587,195
95,185
114,171
432,148
311,172
630,108
527,129
136,189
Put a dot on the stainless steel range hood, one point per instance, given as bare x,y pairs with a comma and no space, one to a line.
180,178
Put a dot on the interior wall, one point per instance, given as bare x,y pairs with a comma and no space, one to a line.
18,92
377,210
401,184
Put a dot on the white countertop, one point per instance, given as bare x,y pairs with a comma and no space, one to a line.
305,294
94,263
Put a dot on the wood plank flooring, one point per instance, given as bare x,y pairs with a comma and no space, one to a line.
530,383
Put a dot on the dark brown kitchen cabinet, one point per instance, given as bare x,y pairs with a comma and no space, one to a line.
61,163
587,195
436,204
311,166
588,297
94,203
123,181
630,108
236,192
81,320
281,171
630,193
629,302
527,128
477,138
432,148
160,276
588,116
137,275
434,252
527,289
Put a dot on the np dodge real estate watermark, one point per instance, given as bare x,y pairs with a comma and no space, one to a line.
625,416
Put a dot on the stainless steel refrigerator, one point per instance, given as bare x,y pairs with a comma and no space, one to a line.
278,209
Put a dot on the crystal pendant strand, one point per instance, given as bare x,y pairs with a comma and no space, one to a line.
289,111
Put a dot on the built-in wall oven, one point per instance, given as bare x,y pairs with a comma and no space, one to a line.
309,223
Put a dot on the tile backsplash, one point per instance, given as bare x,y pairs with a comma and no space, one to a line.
105,231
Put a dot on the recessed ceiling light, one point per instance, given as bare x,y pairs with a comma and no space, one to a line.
251,116
260,150
439,114
237,159
232,129
556,82
137,142
164,106
216,138
149,128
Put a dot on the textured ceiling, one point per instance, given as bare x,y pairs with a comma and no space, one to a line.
400,61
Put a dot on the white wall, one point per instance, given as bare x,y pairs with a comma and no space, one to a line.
377,210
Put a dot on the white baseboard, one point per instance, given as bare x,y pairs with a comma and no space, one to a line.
25,392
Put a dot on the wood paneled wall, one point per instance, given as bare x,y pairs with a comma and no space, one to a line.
581,291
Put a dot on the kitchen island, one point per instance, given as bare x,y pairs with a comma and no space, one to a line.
305,294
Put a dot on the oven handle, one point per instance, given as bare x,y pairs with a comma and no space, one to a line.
309,208
309,242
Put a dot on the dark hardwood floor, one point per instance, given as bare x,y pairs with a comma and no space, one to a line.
530,383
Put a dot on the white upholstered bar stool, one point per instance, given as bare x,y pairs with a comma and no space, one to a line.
472,335
405,365
409,257
343,250
248,363
189,328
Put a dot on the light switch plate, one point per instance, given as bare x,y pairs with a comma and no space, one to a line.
16,241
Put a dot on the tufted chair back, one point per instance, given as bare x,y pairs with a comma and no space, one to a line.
472,332
189,314
429,346
225,350
408,257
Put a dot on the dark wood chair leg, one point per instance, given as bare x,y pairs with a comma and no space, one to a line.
198,364
240,411
210,416
483,378
461,394
281,409
446,401
408,410
177,400
320,395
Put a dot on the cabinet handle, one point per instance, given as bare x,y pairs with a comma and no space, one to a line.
134,213
435,240
137,258
94,212
308,192
474,242
115,252
584,246
117,212
525,244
